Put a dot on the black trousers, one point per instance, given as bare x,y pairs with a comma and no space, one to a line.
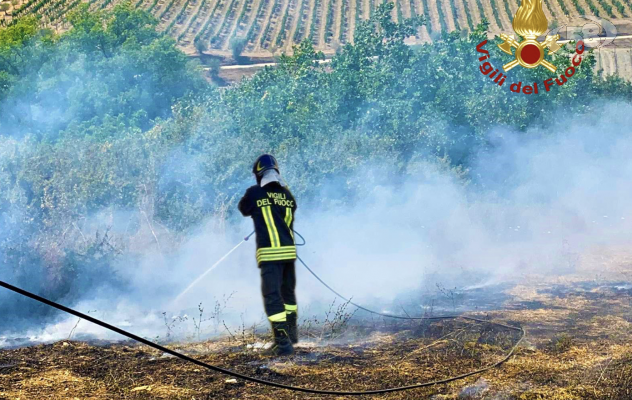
278,281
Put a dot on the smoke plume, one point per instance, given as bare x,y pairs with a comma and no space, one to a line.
526,205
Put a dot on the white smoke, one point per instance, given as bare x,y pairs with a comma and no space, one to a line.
533,198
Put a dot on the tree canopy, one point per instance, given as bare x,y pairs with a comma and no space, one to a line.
109,65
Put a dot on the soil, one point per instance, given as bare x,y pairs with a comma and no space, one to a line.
578,346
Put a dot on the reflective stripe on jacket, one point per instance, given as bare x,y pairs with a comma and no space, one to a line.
272,210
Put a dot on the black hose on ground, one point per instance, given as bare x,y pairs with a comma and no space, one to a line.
280,385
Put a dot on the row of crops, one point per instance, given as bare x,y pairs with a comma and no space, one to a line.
52,12
270,25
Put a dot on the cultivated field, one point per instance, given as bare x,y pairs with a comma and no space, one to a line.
271,27
275,25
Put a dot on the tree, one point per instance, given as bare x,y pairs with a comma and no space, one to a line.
214,67
200,45
111,63
237,46
14,45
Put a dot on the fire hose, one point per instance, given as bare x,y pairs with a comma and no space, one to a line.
280,385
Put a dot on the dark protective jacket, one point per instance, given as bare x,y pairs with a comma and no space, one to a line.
272,209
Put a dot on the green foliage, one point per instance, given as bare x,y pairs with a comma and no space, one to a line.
200,45
344,23
206,30
481,11
468,15
508,10
167,9
15,47
413,11
358,18
179,17
192,21
55,11
218,39
495,9
254,27
620,8
214,67
562,4
442,21
267,32
237,46
152,6
314,22
606,6
300,24
112,63
579,8
593,8
284,27
105,4
455,16
429,25
245,11
329,21
25,7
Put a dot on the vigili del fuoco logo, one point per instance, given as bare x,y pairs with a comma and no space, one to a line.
529,23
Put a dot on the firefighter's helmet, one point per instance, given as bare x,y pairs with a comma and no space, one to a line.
264,163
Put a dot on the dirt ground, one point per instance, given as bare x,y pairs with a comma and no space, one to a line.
578,345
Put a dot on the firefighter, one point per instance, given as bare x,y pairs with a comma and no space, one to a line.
272,207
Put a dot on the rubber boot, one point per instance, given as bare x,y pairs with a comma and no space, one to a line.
292,320
282,344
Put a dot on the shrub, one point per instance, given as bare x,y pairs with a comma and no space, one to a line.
237,46
200,45
214,67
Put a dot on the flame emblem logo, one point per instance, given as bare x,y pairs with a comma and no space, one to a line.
530,22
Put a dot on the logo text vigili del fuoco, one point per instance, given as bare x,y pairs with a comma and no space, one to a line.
529,23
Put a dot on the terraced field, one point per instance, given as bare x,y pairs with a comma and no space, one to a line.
270,27
615,61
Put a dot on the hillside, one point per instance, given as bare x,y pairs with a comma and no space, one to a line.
274,26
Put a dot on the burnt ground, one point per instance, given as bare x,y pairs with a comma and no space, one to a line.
578,345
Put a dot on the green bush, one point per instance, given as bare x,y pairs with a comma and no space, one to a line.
237,46
111,64
214,67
